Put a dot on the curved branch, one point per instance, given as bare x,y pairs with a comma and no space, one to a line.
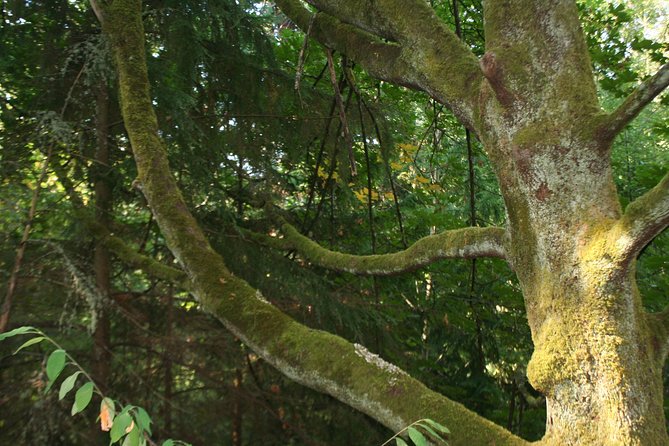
644,219
388,19
636,102
466,243
426,56
314,358
382,59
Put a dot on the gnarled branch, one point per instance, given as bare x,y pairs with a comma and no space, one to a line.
424,54
466,243
636,102
314,358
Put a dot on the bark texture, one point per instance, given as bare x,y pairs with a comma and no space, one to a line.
531,100
314,358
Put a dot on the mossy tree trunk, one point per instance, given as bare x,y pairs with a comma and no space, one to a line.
532,102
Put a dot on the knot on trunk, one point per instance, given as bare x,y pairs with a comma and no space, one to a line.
493,71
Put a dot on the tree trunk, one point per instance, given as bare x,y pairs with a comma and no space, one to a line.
102,261
594,359
532,102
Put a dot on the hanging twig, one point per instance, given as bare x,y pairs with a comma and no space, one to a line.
389,174
302,57
331,171
342,113
319,160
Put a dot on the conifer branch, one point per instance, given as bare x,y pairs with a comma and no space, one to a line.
415,50
320,360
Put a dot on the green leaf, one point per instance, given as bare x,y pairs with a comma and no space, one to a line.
169,442
55,364
132,439
430,431
82,398
121,423
67,385
437,426
17,331
400,442
143,420
30,342
418,438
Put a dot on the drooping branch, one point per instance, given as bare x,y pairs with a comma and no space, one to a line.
423,53
644,219
466,243
314,358
636,102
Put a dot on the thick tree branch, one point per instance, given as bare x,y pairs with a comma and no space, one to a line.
314,358
425,54
123,251
385,18
644,219
382,59
636,102
467,243
130,256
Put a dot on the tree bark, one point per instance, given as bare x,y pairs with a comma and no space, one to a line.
532,102
102,261
6,309
314,358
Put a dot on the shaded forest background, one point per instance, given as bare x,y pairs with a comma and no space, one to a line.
250,111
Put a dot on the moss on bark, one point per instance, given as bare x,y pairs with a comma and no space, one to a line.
314,358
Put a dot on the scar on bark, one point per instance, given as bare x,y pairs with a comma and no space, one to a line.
543,192
494,72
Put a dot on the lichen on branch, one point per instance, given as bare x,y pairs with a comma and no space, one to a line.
314,358
465,243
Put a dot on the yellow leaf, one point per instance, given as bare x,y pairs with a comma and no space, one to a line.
395,166
421,179
409,148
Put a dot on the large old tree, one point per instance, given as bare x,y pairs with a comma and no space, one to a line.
532,101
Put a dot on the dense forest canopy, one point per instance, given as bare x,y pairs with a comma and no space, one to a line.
316,223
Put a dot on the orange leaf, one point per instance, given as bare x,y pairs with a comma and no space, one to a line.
105,417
